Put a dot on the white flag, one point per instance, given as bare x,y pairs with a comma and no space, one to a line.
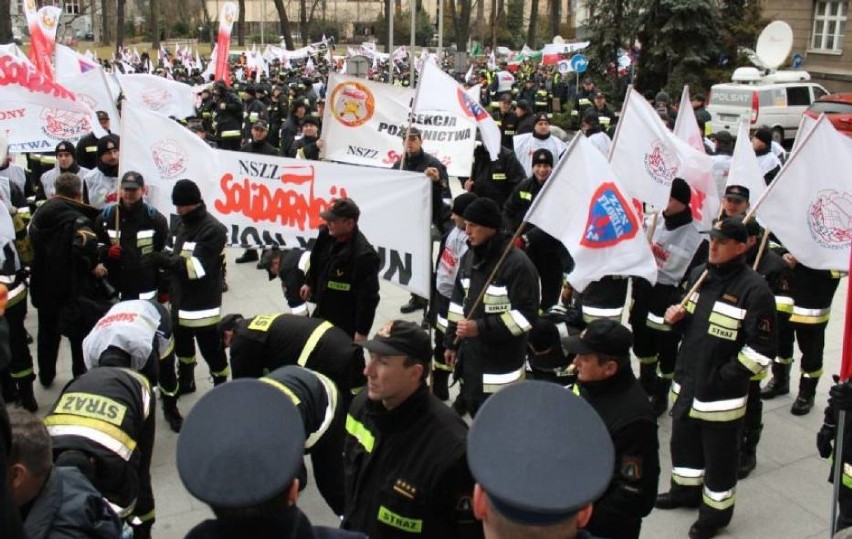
809,204
93,89
744,169
469,75
583,205
438,91
70,63
158,94
686,126
269,200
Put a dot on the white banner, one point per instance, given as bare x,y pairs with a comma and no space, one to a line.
267,200
36,113
92,88
158,94
364,122
809,204
583,205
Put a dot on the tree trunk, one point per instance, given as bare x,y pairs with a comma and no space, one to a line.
531,30
5,21
501,7
106,34
241,24
119,25
555,6
463,26
154,27
284,24
303,21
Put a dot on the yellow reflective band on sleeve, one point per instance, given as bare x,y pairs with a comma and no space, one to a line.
784,304
410,525
752,360
515,322
649,360
357,430
759,376
719,500
342,287
455,313
526,195
441,366
170,347
194,269
150,515
657,322
90,405
575,389
282,388
312,341
100,432
262,322
721,410
21,374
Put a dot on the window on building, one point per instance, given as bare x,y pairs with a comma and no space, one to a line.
72,7
829,25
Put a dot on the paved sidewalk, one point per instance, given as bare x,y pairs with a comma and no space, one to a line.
787,496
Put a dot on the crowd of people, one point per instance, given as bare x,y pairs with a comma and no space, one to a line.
564,437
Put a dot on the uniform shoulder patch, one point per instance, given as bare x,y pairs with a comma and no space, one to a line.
631,468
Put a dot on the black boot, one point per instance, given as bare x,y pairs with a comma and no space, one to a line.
440,387
249,255
805,399
414,304
186,378
26,397
9,387
779,384
171,413
648,378
748,451
660,400
219,380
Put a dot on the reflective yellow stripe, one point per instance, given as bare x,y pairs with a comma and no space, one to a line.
497,176
784,304
724,321
526,195
358,431
721,410
810,316
688,476
231,134
197,319
336,285
263,322
492,383
516,323
847,475
593,313
410,525
316,335
282,388
650,360
170,347
100,432
147,516
752,360
719,500
455,313
813,374
657,322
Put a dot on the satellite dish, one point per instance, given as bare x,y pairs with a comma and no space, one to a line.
558,40
774,44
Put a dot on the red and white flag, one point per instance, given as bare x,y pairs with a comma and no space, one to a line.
438,91
744,169
229,14
686,126
42,25
585,207
809,204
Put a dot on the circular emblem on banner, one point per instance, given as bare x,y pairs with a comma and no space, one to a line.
471,108
661,164
830,219
352,104
31,5
47,18
169,157
88,100
230,13
65,124
156,99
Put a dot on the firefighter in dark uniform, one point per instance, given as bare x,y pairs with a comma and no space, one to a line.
266,342
840,398
309,146
207,109
104,423
228,117
258,141
194,268
142,230
404,453
255,111
779,278
812,291
343,277
256,429
605,380
729,335
549,256
87,147
323,410
290,267
506,120
553,497
548,358
489,342
494,179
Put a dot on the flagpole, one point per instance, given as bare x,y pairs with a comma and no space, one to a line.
653,226
846,362
511,244
760,250
410,113
620,122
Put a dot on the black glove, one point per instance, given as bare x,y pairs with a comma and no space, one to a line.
840,395
824,440
163,260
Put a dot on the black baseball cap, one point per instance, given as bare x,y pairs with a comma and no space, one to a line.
401,338
602,336
342,208
132,180
737,192
731,228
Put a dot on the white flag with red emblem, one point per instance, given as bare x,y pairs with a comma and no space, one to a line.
809,204
686,126
585,207
42,25
438,91
158,94
647,157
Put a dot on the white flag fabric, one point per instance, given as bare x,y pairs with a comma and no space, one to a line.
158,94
809,204
647,157
364,122
744,169
39,113
526,145
583,205
70,63
269,200
686,126
438,91
93,89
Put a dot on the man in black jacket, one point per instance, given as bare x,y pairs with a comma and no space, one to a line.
65,273
309,146
258,142
605,380
405,453
343,277
494,179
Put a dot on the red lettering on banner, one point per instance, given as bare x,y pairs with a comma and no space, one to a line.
660,254
117,317
20,73
392,157
263,202
12,114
